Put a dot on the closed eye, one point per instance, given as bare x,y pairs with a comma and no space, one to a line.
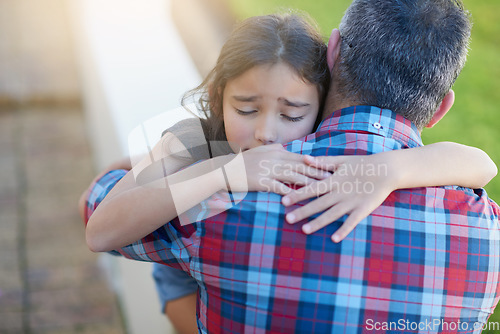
293,119
245,112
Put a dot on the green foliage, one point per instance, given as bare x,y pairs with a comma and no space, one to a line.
326,12
472,120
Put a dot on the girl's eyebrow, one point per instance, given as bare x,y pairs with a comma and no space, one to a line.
296,104
242,98
287,102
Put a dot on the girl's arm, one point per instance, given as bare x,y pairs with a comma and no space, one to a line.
360,184
441,164
131,210
141,199
123,163
134,209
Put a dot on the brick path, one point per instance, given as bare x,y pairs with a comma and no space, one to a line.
49,281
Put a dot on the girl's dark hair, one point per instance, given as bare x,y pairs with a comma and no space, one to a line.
290,38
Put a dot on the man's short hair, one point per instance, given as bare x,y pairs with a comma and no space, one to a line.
403,55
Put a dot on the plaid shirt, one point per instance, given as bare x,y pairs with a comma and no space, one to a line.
426,261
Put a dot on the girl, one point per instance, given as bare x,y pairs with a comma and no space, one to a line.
266,89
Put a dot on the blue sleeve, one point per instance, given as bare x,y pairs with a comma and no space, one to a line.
165,245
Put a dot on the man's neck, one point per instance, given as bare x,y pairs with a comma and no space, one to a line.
334,102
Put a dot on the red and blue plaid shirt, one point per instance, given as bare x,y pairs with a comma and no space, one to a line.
426,261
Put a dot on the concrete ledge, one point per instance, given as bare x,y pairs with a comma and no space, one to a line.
133,67
204,39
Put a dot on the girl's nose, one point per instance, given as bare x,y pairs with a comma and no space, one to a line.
266,131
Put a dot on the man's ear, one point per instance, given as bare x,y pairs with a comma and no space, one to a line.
443,108
333,50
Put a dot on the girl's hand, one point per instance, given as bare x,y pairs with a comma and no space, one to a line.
271,168
358,185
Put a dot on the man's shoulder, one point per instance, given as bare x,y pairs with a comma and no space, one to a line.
449,203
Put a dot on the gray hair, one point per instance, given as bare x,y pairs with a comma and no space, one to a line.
403,55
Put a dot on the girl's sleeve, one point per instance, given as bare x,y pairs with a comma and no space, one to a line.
100,188
163,245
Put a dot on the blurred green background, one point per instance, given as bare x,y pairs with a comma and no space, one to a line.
472,120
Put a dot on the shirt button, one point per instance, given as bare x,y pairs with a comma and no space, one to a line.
377,125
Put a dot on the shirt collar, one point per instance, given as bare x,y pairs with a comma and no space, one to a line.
374,120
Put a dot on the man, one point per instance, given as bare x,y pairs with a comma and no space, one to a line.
427,259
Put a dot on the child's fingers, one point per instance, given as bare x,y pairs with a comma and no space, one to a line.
307,172
273,186
324,162
328,217
296,179
296,169
313,172
311,208
282,162
350,223
305,163
279,188
315,189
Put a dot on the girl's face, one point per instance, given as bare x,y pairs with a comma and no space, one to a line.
268,104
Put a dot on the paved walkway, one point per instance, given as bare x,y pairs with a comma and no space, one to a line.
49,281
